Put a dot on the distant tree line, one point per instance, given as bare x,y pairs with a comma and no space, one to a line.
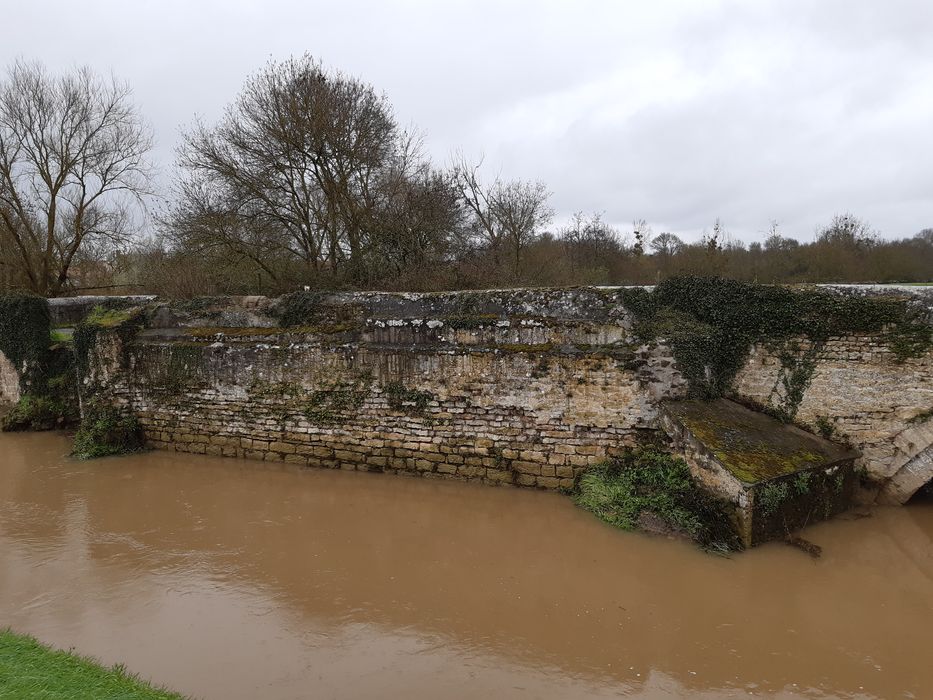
309,180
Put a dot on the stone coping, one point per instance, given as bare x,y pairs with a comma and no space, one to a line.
751,445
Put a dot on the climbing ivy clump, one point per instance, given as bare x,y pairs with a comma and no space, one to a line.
400,397
649,481
313,311
25,329
340,400
712,323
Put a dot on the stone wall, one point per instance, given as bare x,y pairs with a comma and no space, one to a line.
9,382
523,386
868,397
527,389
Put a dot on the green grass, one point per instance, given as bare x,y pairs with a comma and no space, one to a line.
646,480
29,669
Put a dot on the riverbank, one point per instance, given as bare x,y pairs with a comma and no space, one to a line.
30,669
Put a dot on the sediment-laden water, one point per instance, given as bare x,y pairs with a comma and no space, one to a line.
232,579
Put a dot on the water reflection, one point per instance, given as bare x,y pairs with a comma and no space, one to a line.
229,579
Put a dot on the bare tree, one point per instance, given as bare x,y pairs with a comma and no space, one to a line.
72,169
507,215
848,231
642,234
307,162
666,244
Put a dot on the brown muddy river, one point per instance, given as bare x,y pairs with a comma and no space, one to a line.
232,579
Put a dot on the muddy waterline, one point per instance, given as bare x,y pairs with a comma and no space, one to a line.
232,579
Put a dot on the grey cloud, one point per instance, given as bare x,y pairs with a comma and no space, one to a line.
678,112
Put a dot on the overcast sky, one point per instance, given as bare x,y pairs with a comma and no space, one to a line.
676,112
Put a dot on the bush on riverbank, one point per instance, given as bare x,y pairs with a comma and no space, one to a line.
35,412
648,484
29,669
106,431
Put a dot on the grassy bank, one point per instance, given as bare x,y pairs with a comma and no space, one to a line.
29,669
649,489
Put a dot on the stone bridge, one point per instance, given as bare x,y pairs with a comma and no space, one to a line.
521,386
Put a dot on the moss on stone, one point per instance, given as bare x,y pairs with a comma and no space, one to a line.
750,445
209,333
526,347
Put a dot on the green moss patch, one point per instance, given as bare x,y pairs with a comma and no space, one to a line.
751,445
649,482
29,669
126,322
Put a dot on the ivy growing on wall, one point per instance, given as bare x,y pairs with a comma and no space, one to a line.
712,323
313,311
25,328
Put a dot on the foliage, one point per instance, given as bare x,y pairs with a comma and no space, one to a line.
35,412
825,427
299,308
401,398
712,323
337,401
107,431
25,328
47,400
770,496
310,311
29,669
647,480
802,482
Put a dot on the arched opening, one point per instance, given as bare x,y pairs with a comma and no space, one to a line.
923,495
915,475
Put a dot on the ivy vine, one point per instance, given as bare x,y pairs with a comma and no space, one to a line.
712,324
25,332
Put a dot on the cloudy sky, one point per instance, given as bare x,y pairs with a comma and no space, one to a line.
676,112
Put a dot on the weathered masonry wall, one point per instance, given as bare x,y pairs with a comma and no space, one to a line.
526,387
523,386
875,403
9,382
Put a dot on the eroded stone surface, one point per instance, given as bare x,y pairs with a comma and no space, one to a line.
778,477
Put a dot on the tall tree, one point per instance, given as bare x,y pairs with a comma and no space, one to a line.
72,170
307,164
507,215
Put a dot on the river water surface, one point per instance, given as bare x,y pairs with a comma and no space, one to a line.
232,579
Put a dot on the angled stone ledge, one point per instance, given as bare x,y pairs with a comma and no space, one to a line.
780,478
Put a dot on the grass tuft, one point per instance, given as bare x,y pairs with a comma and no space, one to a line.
29,669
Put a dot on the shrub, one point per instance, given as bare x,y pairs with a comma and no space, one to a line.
648,481
106,431
35,412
